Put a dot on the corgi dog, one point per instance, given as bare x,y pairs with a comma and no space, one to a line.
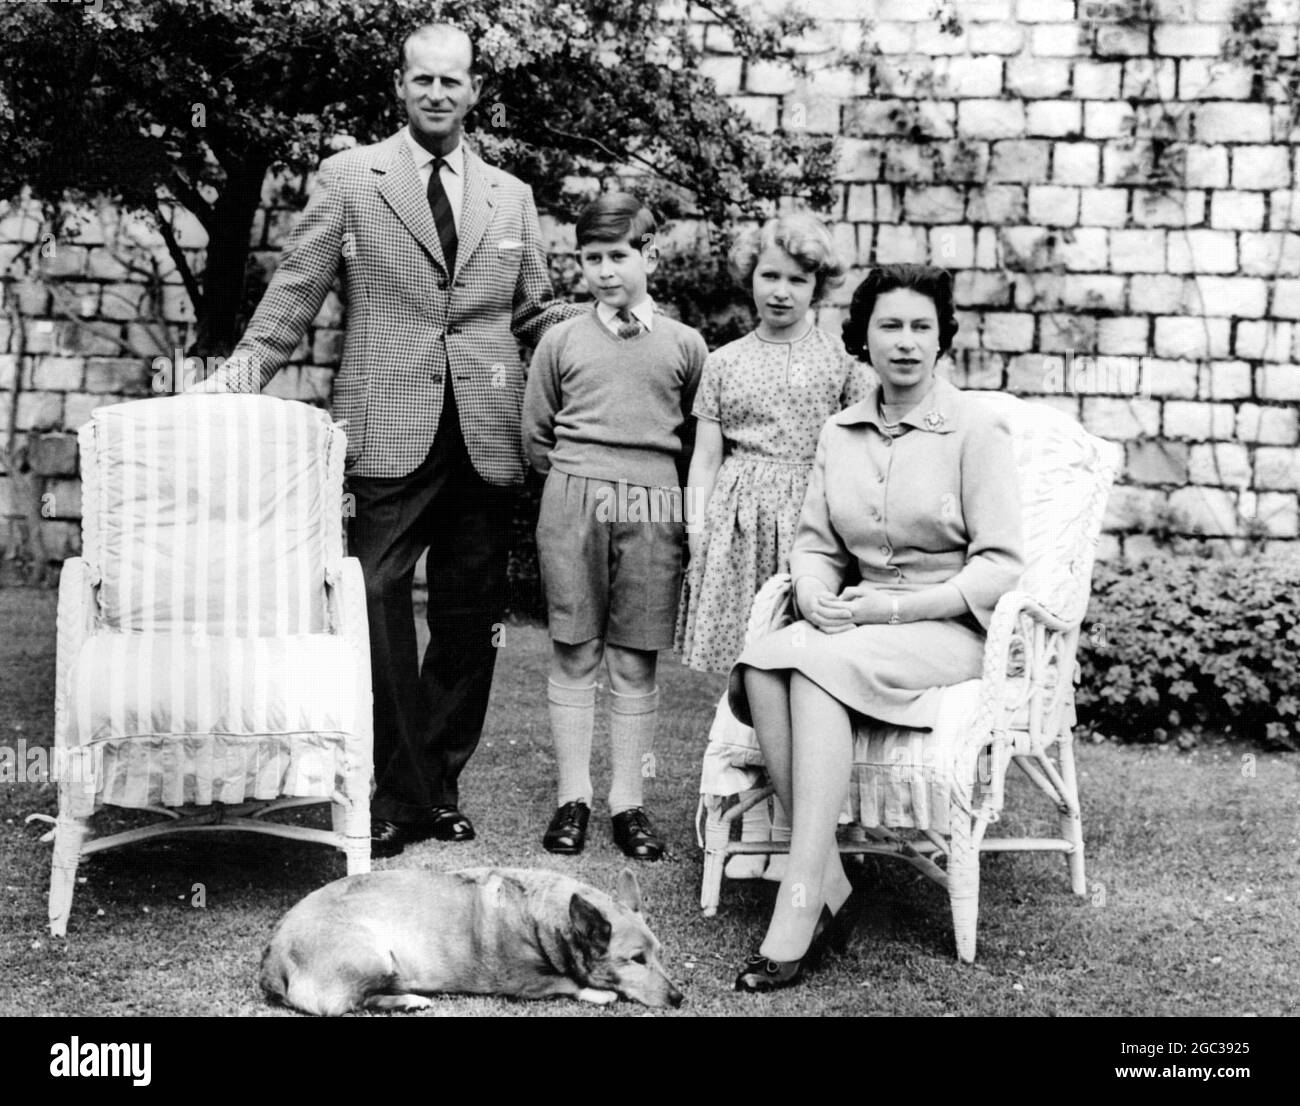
387,940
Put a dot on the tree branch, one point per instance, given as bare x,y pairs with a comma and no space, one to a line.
191,198
178,256
628,155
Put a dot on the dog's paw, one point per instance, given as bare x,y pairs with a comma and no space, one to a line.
400,1003
600,998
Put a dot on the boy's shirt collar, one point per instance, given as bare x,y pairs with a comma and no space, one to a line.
644,312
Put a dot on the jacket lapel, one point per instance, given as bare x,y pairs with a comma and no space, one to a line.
475,209
399,185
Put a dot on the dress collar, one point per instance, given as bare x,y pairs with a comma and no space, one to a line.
785,341
937,414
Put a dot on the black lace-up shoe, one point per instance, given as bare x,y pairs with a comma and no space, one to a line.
636,836
567,833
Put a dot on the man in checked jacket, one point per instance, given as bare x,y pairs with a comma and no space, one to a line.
443,273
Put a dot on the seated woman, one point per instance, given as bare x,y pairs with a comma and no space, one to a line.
909,535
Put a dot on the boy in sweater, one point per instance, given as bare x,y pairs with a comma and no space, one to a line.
604,413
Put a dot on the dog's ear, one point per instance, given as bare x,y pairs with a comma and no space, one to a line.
591,929
628,891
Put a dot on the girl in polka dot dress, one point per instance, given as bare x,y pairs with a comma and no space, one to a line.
761,404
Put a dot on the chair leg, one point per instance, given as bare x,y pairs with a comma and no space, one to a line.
351,821
1072,819
964,884
755,826
69,833
716,833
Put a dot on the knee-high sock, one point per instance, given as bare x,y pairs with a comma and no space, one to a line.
632,721
755,825
573,718
756,822
777,862
780,821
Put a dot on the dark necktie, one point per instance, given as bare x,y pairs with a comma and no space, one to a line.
449,424
629,326
443,219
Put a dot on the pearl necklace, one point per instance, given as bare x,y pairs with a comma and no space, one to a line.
893,429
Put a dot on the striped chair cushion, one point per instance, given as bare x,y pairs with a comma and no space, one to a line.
170,719
186,530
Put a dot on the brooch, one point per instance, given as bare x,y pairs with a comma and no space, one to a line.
934,421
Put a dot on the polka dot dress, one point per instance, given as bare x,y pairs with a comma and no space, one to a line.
771,399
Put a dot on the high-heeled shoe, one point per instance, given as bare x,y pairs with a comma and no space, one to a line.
835,930
763,974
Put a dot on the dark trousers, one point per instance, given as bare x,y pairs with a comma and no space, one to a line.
429,718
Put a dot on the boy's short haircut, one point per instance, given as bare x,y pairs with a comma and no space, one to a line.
613,217
804,237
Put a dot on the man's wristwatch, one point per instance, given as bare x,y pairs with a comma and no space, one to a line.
894,620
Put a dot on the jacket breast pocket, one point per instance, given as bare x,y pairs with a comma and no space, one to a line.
501,259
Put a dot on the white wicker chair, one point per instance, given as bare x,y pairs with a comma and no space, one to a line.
213,659
929,796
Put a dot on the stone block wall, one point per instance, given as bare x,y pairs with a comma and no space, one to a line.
1119,201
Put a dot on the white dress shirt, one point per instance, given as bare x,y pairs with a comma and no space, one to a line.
452,173
644,312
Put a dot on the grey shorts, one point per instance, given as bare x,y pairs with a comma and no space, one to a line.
611,561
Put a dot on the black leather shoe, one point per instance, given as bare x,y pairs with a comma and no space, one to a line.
390,838
839,926
447,823
761,974
634,834
567,833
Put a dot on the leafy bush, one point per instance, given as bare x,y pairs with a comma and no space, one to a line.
1177,644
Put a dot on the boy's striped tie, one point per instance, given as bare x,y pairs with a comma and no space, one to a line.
629,326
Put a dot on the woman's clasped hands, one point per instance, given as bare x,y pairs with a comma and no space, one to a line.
857,605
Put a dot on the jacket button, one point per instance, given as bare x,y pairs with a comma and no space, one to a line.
889,442
442,286
453,330
880,478
886,552
875,514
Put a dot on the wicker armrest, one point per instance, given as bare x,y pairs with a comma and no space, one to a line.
346,599
78,582
1028,672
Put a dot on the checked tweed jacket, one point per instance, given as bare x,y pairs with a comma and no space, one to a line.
408,321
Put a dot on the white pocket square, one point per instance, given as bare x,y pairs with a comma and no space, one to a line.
510,244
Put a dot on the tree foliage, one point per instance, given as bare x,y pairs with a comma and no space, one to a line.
193,101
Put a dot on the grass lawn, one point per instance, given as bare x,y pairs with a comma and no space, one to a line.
1192,867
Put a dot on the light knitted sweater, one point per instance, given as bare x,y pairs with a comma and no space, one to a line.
608,407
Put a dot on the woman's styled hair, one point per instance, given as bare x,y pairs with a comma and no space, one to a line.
928,280
803,237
